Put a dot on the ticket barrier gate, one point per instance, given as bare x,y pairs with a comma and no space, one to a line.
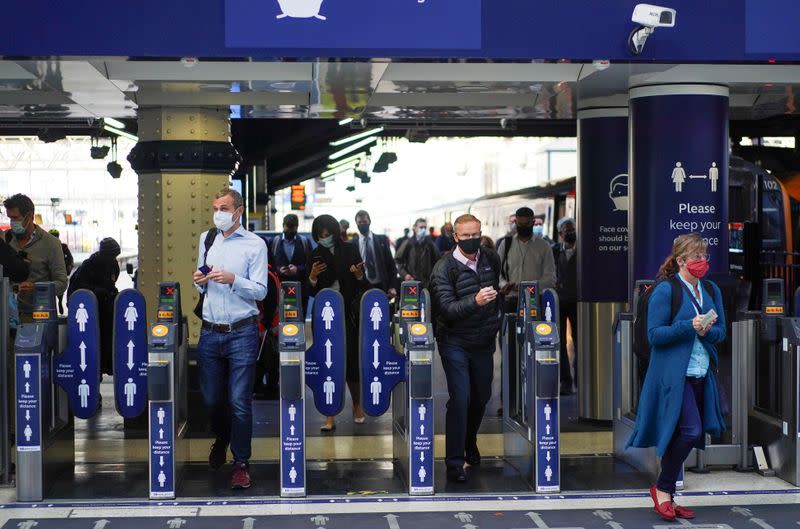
412,400
44,420
628,380
772,343
531,382
5,420
166,389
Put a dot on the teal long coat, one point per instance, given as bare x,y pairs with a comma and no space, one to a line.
672,341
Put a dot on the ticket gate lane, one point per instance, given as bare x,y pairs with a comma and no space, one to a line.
130,353
292,352
381,366
77,371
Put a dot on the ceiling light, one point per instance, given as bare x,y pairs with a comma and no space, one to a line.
352,148
49,135
345,121
345,161
98,152
121,133
355,137
114,169
335,172
114,123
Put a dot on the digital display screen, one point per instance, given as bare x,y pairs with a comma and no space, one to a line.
736,244
411,294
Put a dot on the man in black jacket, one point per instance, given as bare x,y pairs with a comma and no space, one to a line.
566,259
464,287
290,255
379,265
14,267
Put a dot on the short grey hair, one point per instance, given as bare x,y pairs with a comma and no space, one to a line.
238,201
564,221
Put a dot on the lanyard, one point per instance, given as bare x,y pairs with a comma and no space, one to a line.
697,308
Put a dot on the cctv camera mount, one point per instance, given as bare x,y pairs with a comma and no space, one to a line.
637,39
648,17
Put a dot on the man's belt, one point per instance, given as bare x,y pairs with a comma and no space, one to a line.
228,327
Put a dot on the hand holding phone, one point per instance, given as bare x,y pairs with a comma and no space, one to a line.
708,318
205,270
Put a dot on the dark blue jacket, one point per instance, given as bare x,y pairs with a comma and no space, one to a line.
672,342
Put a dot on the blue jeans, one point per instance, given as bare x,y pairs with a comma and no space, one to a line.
687,434
469,384
227,366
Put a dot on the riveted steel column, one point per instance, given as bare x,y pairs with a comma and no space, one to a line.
184,156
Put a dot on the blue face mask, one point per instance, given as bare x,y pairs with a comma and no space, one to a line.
538,230
326,242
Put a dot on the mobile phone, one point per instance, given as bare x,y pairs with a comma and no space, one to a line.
710,316
205,269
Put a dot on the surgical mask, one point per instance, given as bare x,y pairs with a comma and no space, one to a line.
469,246
524,231
421,233
538,231
289,235
698,269
570,237
18,227
326,242
363,228
223,220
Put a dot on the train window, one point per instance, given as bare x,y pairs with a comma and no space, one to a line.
772,221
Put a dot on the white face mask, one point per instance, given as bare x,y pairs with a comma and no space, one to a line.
223,220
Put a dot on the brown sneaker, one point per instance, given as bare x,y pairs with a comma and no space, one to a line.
240,479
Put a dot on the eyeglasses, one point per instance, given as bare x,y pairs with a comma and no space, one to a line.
697,257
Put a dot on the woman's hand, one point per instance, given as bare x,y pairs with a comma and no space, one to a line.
316,269
697,324
703,331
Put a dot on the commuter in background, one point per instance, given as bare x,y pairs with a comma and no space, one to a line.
565,255
464,290
432,232
337,264
41,250
415,259
290,255
524,257
680,402
538,229
99,274
400,240
379,266
344,225
446,243
69,261
487,242
512,225
232,277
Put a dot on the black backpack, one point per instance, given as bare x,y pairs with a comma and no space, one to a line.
641,343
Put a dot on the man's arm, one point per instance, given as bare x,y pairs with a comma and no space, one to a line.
548,278
57,266
401,258
391,267
447,302
253,288
501,254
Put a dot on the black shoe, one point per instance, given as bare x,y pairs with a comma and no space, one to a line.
473,457
456,474
566,389
218,454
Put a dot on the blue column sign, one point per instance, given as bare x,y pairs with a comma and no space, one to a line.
326,358
29,408
421,458
382,368
679,173
293,461
162,450
548,471
130,353
78,369
602,204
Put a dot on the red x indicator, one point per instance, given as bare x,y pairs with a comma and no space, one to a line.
170,291
412,290
531,290
290,290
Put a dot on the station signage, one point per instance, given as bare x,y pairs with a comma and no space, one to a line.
130,353
326,359
293,459
548,465
77,371
298,197
162,450
355,24
382,368
421,440
29,406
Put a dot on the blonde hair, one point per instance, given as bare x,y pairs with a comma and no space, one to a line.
466,217
682,245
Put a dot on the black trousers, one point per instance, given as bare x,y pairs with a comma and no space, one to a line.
469,385
568,311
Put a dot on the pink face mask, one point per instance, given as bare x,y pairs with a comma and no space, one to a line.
698,269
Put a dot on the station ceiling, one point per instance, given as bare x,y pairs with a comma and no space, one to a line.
443,98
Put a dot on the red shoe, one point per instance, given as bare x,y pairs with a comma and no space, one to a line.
682,512
240,479
665,509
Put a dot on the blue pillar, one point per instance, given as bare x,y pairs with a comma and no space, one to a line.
679,172
602,200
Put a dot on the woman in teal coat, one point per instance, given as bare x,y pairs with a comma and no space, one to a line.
679,402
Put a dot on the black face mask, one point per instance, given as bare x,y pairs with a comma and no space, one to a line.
363,228
525,231
290,235
469,246
570,237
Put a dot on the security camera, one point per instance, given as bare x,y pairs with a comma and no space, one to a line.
649,17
